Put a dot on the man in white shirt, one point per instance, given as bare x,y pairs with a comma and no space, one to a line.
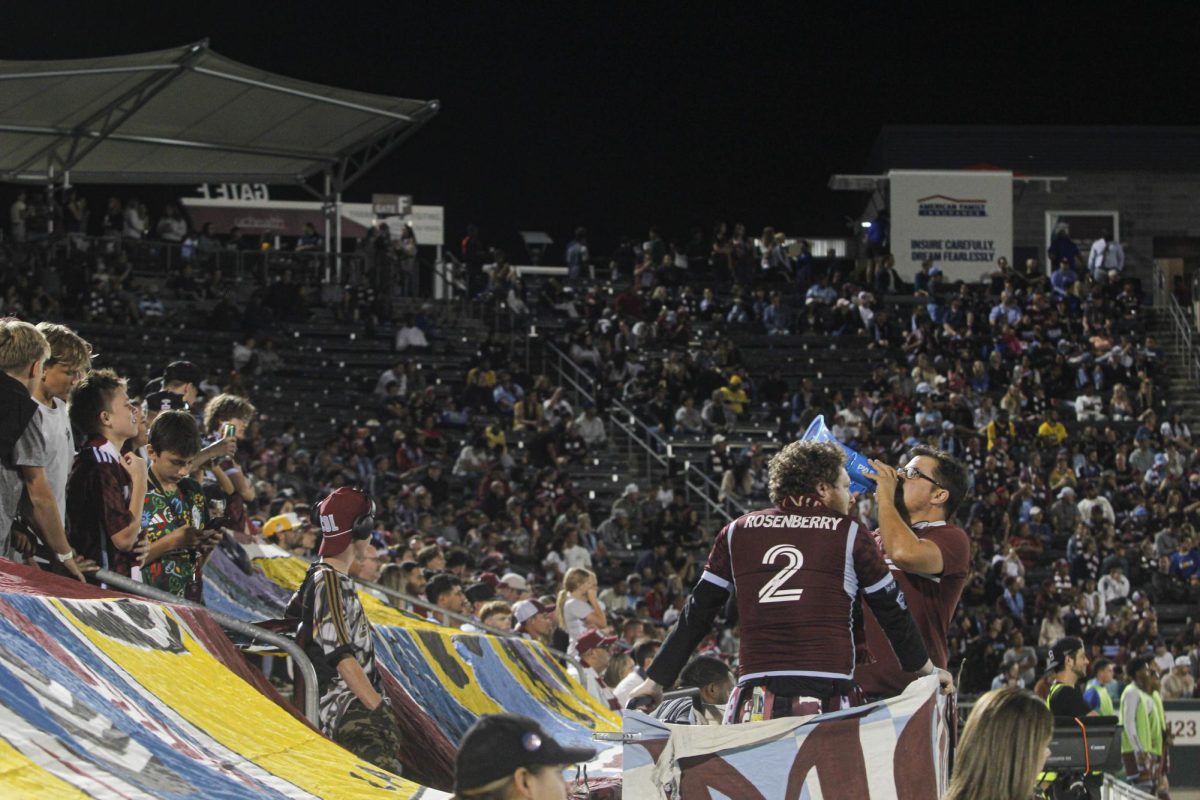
595,651
70,358
410,337
1094,498
172,227
394,374
575,554
1106,255
1114,587
1088,405
591,427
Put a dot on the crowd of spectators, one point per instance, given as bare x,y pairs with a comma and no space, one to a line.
1084,482
64,261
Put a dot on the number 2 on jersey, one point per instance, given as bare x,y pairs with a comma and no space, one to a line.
771,592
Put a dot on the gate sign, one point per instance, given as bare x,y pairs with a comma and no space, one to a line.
391,205
961,221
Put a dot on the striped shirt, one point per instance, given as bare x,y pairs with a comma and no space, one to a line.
340,629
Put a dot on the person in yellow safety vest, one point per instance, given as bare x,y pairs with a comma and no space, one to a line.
1138,720
1068,661
735,396
1097,694
1160,734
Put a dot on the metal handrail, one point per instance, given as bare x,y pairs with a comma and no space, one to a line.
1114,788
408,598
303,665
155,253
690,472
1182,328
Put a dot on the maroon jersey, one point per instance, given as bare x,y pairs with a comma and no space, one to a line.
932,599
797,570
98,491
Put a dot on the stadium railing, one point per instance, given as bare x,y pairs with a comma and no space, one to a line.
304,668
1182,332
1116,789
475,623
162,258
651,446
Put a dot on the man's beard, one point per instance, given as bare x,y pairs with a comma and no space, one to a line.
899,501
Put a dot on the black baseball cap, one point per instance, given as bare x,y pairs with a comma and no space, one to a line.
165,401
497,744
183,371
480,592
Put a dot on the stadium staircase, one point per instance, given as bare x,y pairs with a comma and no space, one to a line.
1182,363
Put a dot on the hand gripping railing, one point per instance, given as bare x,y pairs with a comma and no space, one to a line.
303,665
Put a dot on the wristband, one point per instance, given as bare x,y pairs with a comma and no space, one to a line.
65,557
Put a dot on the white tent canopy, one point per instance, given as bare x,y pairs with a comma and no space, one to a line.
190,115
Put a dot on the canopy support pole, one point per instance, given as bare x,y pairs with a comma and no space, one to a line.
325,214
337,227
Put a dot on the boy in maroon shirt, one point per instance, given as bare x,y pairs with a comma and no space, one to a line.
106,489
929,557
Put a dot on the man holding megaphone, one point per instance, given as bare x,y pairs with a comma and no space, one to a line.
798,571
927,554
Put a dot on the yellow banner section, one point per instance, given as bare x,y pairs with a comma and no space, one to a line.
579,701
289,573
21,777
199,689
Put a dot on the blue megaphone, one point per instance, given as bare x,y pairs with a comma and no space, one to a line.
857,468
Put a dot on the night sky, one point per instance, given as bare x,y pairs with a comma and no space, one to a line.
618,118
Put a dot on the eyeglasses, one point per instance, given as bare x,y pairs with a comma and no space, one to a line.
912,473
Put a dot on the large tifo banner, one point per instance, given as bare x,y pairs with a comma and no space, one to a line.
440,680
895,749
961,221
109,697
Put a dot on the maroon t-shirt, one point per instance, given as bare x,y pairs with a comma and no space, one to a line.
932,599
98,490
797,570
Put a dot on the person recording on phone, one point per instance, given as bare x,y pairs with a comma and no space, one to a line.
226,418
175,519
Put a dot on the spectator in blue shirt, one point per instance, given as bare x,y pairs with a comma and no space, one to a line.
506,393
1005,312
1014,601
1185,562
1063,278
821,292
